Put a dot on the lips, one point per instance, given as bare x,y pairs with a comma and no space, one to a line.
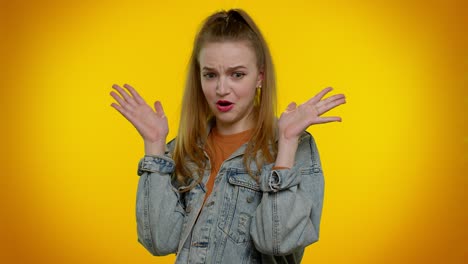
224,106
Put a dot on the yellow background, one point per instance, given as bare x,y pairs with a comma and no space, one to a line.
395,168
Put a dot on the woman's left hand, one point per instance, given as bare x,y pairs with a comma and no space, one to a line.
296,119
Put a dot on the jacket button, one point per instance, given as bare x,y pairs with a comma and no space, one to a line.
188,209
250,199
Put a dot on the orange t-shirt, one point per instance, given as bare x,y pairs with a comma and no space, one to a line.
219,148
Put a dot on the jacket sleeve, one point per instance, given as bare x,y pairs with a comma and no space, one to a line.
288,216
159,208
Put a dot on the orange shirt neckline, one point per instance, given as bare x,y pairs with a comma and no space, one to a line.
219,148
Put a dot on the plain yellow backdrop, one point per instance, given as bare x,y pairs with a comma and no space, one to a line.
395,168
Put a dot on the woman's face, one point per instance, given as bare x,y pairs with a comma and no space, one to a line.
229,77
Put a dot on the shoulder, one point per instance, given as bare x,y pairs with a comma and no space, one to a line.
170,146
307,150
307,140
305,136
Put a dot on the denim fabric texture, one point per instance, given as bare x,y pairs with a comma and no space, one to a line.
271,220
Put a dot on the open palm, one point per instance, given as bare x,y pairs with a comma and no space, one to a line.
296,119
151,124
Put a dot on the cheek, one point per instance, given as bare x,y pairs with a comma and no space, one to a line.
247,92
208,91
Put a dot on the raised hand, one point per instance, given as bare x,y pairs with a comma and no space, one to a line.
152,125
296,119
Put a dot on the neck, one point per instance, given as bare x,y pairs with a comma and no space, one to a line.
237,127
226,129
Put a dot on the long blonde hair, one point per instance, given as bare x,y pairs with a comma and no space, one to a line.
232,25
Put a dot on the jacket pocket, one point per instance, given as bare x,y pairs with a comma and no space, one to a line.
240,200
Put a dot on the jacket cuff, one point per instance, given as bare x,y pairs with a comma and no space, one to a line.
161,164
277,179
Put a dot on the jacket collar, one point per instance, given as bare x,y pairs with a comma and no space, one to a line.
240,151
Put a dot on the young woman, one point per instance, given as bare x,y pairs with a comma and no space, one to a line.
237,185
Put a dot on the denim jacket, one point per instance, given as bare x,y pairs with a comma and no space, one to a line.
242,221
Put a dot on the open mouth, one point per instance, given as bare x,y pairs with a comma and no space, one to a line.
224,105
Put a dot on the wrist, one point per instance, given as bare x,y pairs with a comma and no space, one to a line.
155,147
286,152
283,140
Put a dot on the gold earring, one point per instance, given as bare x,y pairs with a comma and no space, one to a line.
258,94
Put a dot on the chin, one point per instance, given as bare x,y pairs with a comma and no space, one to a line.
225,120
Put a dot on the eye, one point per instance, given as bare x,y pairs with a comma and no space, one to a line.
238,75
209,75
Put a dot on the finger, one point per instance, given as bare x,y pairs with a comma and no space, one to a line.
121,101
329,119
122,111
330,99
125,95
319,96
327,107
159,109
135,94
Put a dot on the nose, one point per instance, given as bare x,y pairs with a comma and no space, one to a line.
222,88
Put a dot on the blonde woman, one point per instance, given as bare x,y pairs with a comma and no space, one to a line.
237,184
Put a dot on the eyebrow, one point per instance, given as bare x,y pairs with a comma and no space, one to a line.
230,68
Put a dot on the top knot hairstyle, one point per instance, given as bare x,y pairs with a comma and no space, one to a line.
225,26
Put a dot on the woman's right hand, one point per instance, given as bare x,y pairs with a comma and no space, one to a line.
152,125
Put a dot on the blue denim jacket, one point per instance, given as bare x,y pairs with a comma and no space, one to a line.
242,221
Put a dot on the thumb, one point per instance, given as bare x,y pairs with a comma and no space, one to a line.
291,107
159,108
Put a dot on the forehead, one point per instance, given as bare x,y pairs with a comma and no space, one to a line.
226,54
